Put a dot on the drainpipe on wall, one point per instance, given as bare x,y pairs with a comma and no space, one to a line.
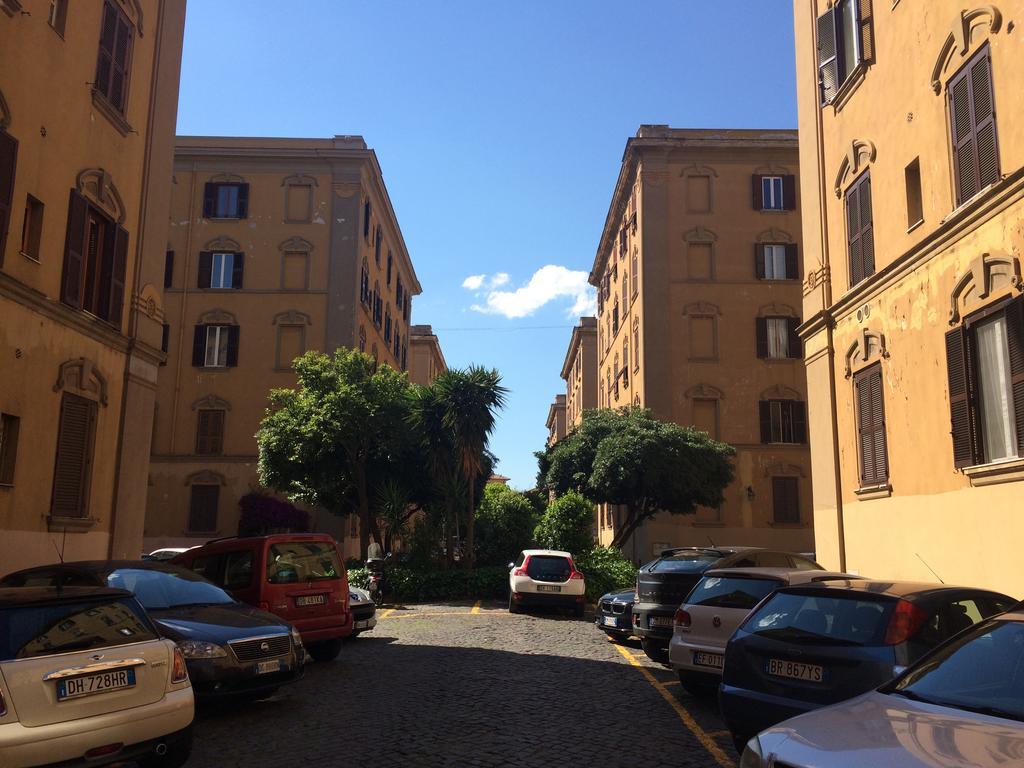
184,303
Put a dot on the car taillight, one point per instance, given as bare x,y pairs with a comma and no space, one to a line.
681,618
179,672
575,575
905,621
519,571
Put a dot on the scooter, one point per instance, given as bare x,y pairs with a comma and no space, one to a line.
377,581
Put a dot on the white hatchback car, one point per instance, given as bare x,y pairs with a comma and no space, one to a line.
715,607
85,679
545,577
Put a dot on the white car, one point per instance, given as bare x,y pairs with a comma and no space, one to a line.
545,577
86,679
716,606
363,611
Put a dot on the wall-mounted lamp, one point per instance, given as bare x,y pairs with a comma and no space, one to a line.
750,493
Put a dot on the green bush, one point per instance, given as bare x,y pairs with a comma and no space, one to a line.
605,569
567,524
418,585
504,525
359,577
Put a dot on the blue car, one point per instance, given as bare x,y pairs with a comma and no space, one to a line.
615,613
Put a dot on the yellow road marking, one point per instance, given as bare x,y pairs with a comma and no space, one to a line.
386,613
670,682
476,607
718,734
713,749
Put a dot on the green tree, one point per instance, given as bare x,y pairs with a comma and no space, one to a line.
628,457
505,521
567,524
317,442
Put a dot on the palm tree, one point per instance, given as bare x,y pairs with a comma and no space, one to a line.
428,414
469,401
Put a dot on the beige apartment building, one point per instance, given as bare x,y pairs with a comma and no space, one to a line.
277,246
698,277
88,103
913,316
426,361
556,420
579,371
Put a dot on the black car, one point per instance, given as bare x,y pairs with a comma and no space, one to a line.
230,648
615,613
808,646
663,584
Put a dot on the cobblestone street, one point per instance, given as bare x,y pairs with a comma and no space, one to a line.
447,685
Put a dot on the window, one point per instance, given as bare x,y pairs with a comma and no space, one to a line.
915,203
8,158
777,338
400,294
783,421
636,275
365,296
771,193
76,436
165,339
295,271
785,500
636,343
367,211
774,261
210,432
31,227
202,508
615,320
226,200
238,569
972,114
362,338
774,193
215,346
705,416
700,261
112,68
872,450
387,325
95,261
396,349
703,338
844,43
698,194
376,245
390,266
8,447
168,269
298,203
860,229
221,270
58,15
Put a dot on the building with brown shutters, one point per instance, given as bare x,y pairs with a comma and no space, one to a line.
698,277
556,420
913,197
579,371
426,361
277,246
88,103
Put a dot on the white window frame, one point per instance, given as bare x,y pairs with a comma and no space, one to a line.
215,354
778,341
769,200
222,270
774,255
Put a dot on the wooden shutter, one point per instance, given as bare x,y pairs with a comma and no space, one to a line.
761,328
209,200
1015,343
983,102
202,512
828,59
75,435
758,192
105,58
165,339
792,265
242,212
205,269
963,427
9,427
798,420
795,344
973,127
390,264
119,267
118,94
74,247
764,409
8,164
867,235
867,38
786,499
210,432
872,449
366,219
199,346
169,269
789,193
232,345
237,270
759,261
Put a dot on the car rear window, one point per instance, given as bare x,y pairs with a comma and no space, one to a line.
691,562
548,568
731,592
40,630
173,588
810,618
297,561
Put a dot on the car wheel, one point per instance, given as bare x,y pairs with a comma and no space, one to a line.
696,686
327,650
655,651
513,607
579,609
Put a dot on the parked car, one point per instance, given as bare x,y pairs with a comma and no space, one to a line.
85,679
961,705
300,577
663,584
615,613
363,611
713,610
809,646
165,553
231,649
545,577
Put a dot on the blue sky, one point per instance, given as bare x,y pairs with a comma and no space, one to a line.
499,127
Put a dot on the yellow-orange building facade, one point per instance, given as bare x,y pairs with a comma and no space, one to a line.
88,103
277,246
698,278
913,198
556,420
579,371
426,361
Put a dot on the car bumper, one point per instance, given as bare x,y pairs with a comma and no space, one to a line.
642,625
212,678
620,623
680,657
747,713
140,729
318,630
537,599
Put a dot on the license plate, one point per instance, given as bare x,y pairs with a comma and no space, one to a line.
362,624
311,600
796,670
266,667
548,588
611,621
701,659
660,621
87,685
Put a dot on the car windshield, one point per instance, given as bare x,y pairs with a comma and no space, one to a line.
809,618
297,561
548,568
982,672
685,562
39,630
731,592
160,589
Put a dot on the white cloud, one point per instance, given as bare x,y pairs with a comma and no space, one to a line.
549,283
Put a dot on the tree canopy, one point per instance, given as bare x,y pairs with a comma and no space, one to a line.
567,524
505,521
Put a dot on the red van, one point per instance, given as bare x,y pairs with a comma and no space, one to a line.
298,576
